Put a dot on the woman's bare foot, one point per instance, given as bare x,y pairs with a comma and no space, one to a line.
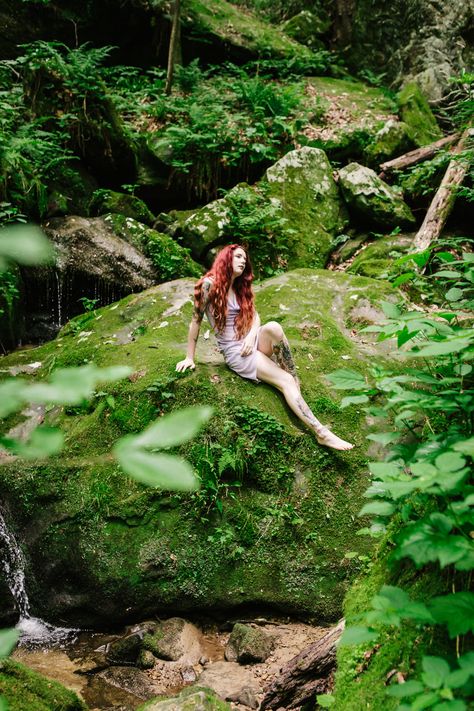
329,439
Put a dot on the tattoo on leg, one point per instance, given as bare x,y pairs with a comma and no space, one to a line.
284,357
308,415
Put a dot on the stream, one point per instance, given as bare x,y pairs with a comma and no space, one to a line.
97,668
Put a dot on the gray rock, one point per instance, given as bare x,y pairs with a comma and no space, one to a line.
124,650
369,198
145,659
173,639
229,680
248,644
191,699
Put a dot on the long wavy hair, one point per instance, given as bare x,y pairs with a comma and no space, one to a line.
221,274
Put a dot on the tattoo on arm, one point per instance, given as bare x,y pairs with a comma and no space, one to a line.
200,308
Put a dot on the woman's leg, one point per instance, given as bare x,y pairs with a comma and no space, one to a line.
272,341
271,373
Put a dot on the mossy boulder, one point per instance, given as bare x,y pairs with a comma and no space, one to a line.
26,690
393,139
416,113
302,181
241,31
371,200
102,548
169,259
248,644
307,27
105,201
377,257
194,698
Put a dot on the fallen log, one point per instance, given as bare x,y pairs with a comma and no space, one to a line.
443,201
305,675
418,155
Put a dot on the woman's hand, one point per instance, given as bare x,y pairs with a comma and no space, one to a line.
248,345
185,364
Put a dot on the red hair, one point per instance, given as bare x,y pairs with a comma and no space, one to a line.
221,274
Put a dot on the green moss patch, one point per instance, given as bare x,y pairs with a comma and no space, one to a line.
26,690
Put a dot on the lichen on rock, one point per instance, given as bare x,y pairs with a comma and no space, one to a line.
370,199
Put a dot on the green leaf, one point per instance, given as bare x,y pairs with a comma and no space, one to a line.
377,508
424,701
163,471
435,671
454,705
3,704
357,635
325,700
43,442
443,347
467,662
385,470
456,611
25,244
345,379
174,429
390,310
353,400
384,437
466,446
409,688
454,294
450,462
8,639
458,678
450,274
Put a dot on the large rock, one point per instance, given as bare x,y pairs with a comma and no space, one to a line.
105,201
303,197
304,184
377,258
372,200
416,113
307,27
194,698
173,639
248,645
231,682
393,139
102,548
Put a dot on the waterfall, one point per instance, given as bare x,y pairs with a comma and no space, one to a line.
33,630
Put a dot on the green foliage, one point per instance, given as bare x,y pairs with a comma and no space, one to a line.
425,486
257,223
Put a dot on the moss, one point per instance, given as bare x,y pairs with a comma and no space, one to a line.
416,113
170,260
104,543
393,139
240,29
307,27
377,258
25,690
363,670
105,201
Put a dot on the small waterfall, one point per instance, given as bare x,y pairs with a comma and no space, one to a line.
33,630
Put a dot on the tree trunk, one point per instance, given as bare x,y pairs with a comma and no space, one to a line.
305,675
445,197
418,155
343,13
174,52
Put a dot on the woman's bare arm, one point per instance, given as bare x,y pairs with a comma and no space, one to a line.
194,328
250,338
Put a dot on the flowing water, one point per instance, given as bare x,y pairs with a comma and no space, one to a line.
33,630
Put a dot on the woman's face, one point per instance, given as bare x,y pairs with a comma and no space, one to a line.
239,260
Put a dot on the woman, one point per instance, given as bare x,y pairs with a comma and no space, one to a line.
225,295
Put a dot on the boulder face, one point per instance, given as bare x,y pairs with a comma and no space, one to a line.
303,183
372,200
103,548
416,113
300,192
194,698
248,644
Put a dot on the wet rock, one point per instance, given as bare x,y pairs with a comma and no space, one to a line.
190,699
230,681
173,639
124,650
372,200
248,645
